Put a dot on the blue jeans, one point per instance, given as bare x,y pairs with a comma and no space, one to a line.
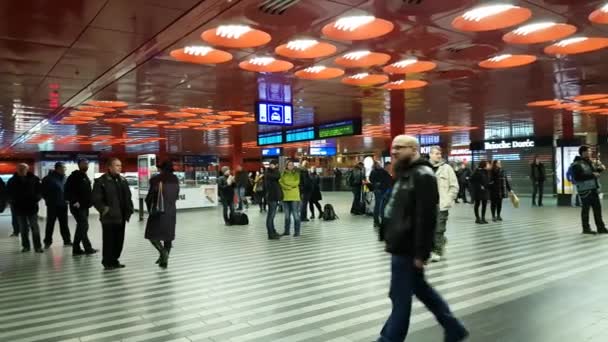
407,280
380,200
240,193
272,211
27,223
292,208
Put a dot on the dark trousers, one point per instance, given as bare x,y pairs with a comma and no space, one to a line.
304,205
496,206
484,206
357,207
380,201
272,211
406,281
14,222
312,206
228,205
591,200
292,209
27,222
261,199
57,213
462,193
113,241
81,235
537,188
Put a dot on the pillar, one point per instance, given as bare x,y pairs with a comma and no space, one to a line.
397,111
237,146
567,125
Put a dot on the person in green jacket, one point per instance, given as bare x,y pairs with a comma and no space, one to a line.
290,184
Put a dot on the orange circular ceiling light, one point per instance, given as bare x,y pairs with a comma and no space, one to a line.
577,45
218,117
201,55
543,103
204,129
597,111
491,17
599,101
589,97
155,122
196,110
189,124
507,61
176,127
582,108
600,15
265,64
234,123
245,119
138,112
539,33
358,27
565,105
305,49
232,113
143,125
319,73
84,113
107,104
96,109
200,121
405,84
365,79
78,118
72,122
236,36
218,126
410,65
362,59
179,115
118,120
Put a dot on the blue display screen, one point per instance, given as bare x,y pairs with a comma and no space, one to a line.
300,134
273,138
272,152
269,113
322,151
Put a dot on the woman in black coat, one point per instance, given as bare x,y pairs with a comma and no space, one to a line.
499,189
162,196
316,196
480,181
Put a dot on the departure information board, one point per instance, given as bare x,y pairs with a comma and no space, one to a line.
300,134
338,129
272,138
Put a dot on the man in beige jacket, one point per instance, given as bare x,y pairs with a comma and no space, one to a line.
447,182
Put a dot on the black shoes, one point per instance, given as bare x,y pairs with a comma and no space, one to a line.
602,231
305,220
274,236
90,251
494,219
14,235
39,250
68,244
25,250
478,221
286,234
113,267
589,232
296,234
77,252
499,218
481,221
47,245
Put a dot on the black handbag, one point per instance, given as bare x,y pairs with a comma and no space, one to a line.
158,206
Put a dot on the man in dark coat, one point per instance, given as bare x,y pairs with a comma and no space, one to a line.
112,199
226,185
306,189
381,182
24,192
53,192
463,174
355,181
78,192
408,230
273,196
586,174
161,202
538,176
242,183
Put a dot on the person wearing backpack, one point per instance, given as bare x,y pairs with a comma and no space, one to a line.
273,197
290,184
355,181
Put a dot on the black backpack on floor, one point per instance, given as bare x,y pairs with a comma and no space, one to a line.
239,219
329,214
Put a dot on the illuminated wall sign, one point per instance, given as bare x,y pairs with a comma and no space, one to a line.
274,113
488,145
300,134
460,152
426,149
322,151
272,152
431,139
339,129
272,138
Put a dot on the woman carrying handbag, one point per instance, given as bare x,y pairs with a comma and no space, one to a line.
162,196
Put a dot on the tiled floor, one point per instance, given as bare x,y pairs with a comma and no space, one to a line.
530,278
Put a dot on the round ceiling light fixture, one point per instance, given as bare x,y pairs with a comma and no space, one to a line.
196,110
96,109
236,36
201,55
245,119
78,118
234,123
201,121
357,27
189,124
143,125
305,49
362,59
72,122
232,113
600,15
599,101
365,79
410,65
577,45
179,115
543,103
140,112
491,17
319,72
176,126
155,122
589,97
539,33
118,120
405,84
85,113
265,64
107,104
507,61
217,117
218,126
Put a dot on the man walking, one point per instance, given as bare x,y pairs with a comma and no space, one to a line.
411,217
226,186
78,193
463,174
380,181
112,198
447,184
355,181
242,183
306,188
273,196
24,192
586,173
53,192
538,176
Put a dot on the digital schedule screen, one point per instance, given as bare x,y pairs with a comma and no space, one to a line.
322,151
338,129
273,138
272,152
300,134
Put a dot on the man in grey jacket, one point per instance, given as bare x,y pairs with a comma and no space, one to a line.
447,184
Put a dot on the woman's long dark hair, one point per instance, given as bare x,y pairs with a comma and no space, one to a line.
482,164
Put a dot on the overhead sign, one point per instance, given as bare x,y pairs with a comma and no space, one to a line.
339,129
488,145
272,138
322,151
300,134
275,114
272,152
